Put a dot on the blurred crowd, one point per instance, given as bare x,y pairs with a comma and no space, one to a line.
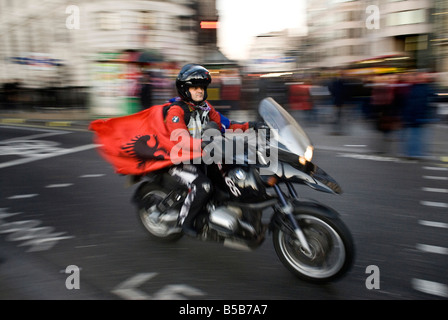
14,96
399,106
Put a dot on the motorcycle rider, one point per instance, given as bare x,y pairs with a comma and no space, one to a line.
186,117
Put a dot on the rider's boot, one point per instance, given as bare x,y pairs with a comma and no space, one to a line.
189,228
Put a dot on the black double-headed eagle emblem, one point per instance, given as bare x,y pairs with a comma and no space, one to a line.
140,148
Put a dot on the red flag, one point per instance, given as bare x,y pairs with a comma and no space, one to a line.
139,143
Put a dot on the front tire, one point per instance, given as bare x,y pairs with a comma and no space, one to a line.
331,244
159,227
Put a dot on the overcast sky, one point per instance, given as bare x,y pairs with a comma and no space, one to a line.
241,20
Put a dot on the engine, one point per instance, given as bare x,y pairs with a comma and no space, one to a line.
225,218
244,183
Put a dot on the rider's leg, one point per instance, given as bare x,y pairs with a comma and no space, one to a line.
199,191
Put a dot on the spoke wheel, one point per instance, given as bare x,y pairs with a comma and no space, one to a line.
331,249
161,226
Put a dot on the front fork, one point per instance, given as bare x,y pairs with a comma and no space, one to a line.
287,210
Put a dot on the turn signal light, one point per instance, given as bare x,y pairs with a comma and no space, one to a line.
272,181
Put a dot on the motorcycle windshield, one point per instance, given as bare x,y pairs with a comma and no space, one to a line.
285,129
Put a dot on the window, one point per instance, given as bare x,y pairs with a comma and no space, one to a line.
186,23
406,17
414,43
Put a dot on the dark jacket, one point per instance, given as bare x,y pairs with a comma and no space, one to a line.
417,108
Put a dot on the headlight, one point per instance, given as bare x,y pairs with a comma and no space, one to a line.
308,156
309,153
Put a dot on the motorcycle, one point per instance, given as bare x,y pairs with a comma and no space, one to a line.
309,238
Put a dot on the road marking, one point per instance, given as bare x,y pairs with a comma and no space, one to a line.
23,196
433,224
12,120
45,243
356,145
128,289
434,204
46,156
28,148
177,292
61,185
31,128
436,168
29,233
435,190
36,136
372,157
92,175
432,249
59,123
430,287
435,178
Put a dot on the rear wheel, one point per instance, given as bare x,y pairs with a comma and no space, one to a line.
161,226
331,244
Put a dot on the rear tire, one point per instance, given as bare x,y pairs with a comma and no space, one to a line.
331,243
148,196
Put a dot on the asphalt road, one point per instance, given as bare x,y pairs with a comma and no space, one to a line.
65,215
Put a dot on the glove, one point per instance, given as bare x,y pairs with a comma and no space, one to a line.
265,130
261,125
257,125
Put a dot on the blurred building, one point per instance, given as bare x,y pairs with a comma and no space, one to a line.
63,43
273,52
343,31
336,32
439,42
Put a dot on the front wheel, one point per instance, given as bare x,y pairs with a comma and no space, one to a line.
331,243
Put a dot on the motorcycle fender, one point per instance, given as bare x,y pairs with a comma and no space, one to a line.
137,197
313,207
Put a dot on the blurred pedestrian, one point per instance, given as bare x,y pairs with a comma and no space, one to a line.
146,90
417,114
386,114
10,94
366,103
338,92
300,103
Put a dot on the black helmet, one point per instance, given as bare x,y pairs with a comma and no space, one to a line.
192,75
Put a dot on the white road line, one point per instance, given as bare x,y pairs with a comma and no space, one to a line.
23,196
356,145
36,136
46,156
435,178
128,290
434,204
430,287
371,157
61,185
436,168
435,190
432,249
433,224
93,175
29,128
